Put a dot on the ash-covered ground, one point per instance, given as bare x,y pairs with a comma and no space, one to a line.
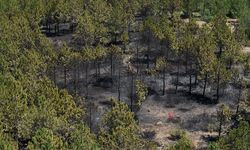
158,116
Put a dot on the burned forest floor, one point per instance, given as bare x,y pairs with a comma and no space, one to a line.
159,116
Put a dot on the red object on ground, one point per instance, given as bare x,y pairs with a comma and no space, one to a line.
170,115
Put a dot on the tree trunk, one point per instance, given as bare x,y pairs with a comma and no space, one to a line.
96,69
186,62
148,50
119,84
49,28
55,29
90,116
137,59
218,87
205,85
86,80
99,69
238,101
111,66
164,78
132,92
177,76
190,79
75,78
230,63
78,75
196,76
58,28
220,126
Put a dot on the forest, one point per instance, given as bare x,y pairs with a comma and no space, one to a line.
125,74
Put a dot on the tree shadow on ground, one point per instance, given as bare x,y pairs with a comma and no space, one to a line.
201,122
150,135
199,98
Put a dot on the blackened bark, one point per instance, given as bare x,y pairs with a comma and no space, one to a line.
137,59
96,69
99,69
119,84
186,62
238,101
164,78
177,77
190,79
55,30
75,78
218,87
205,85
132,92
220,126
86,81
90,116
196,76
111,66
49,28
148,50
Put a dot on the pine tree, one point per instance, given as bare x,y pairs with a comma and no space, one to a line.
224,115
82,138
141,92
161,65
45,139
228,51
188,45
237,138
205,55
120,130
64,57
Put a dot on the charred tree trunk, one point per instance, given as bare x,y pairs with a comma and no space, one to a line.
205,85
99,69
119,84
190,79
218,75
111,66
96,69
137,59
75,78
132,92
196,76
220,125
58,28
218,87
48,27
186,62
177,76
90,116
238,100
86,80
230,63
78,76
163,80
148,50
55,29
